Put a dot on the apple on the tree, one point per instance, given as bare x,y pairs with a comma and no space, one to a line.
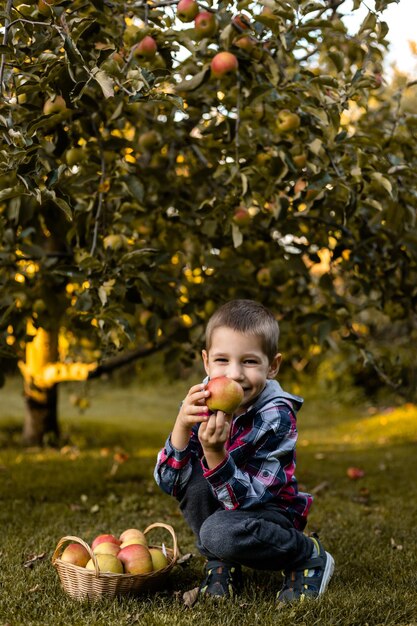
187,10
287,121
146,48
205,24
225,394
223,63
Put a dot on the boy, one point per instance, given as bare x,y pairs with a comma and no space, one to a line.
234,475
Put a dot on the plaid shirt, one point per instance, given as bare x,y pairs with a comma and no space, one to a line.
260,462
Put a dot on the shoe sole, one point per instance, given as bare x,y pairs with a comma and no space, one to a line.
328,573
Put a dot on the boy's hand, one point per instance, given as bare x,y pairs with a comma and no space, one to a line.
214,432
193,409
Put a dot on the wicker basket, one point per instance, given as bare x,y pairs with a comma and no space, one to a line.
80,583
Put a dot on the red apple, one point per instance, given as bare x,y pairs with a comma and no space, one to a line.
146,48
241,22
106,563
159,560
355,472
136,559
225,394
76,554
133,533
205,24
187,10
105,539
223,63
246,43
242,217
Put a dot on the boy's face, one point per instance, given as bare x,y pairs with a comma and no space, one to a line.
240,357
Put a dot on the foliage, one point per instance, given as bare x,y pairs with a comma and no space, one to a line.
156,191
49,493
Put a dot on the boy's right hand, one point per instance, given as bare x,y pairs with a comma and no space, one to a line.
193,409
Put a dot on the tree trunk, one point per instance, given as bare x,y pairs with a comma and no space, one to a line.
41,416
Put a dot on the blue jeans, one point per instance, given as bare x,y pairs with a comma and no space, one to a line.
262,538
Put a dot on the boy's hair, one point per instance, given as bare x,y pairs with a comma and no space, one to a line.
248,317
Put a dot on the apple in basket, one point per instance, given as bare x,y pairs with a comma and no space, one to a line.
159,560
136,559
132,535
106,563
105,539
76,554
107,548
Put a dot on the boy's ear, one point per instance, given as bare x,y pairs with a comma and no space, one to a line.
274,365
204,354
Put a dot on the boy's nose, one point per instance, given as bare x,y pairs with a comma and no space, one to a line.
234,371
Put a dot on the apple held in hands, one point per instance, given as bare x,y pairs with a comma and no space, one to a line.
76,554
225,394
136,559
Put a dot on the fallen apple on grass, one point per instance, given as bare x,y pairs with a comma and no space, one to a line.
225,394
76,554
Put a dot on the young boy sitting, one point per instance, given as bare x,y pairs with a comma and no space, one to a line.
233,475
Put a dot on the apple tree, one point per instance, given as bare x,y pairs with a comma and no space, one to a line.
159,160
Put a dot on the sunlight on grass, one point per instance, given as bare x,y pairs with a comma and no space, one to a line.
390,426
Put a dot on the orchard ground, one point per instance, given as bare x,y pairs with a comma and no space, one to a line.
100,480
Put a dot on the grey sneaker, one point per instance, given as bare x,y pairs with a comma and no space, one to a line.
310,579
221,580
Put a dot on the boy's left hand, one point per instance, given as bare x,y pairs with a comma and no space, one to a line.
214,432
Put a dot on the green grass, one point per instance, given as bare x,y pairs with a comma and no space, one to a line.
368,524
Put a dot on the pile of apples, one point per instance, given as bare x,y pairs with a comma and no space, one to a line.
128,554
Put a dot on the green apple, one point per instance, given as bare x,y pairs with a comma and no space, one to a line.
159,560
53,105
106,563
225,394
287,121
107,548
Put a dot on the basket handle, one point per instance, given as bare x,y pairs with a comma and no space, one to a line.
73,539
172,533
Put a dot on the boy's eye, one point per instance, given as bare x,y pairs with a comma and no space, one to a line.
251,361
220,360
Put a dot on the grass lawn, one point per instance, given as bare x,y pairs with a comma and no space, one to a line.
368,524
